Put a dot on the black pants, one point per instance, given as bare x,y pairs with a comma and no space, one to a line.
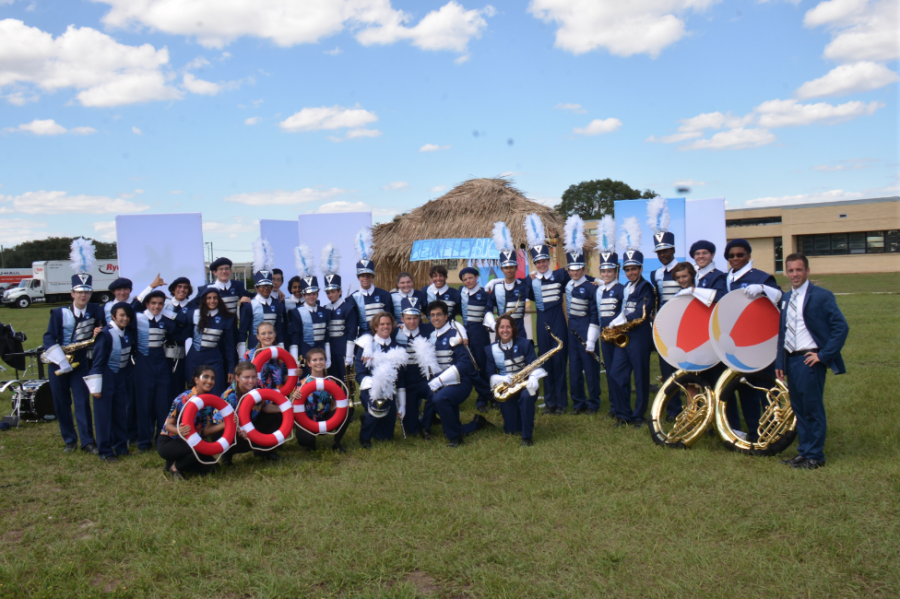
308,440
176,450
266,423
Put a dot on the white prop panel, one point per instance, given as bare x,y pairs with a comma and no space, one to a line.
318,230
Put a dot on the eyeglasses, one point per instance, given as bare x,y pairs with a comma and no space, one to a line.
741,255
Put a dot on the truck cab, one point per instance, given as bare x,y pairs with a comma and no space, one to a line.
24,294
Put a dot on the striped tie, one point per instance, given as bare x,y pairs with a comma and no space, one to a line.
790,338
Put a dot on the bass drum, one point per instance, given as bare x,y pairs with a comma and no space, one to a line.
777,425
694,419
36,401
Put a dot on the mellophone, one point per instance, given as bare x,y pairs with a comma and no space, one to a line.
291,403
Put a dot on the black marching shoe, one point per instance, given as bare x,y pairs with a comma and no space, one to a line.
621,422
338,448
424,434
110,459
547,411
227,460
809,464
526,443
365,444
91,448
455,442
559,411
578,411
481,422
639,423
70,447
797,459
176,475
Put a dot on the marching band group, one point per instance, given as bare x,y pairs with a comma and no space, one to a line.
144,359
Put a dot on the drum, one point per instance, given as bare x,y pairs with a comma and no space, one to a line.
35,401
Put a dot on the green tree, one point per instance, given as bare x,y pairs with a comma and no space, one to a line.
594,199
52,248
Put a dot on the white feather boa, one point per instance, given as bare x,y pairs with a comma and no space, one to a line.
426,357
384,368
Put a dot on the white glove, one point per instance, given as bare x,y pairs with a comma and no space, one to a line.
532,385
241,350
618,320
489,287
401,403
64,367
348,360
435,384
589,346
401,411
294,351
753,291
327,357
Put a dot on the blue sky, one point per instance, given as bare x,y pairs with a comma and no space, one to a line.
271,108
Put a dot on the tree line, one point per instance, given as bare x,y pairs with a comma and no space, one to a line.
52,248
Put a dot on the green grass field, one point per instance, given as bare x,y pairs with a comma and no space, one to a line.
589,511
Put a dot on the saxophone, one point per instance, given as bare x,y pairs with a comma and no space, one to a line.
619,334
504,391
70,351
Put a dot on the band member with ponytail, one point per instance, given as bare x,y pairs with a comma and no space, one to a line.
417,389
609,304
510,294
505,358
152,375
369,299
264,307
320,405
406,290
108,382
637,303
76,323
381,373
265,416
343,321
309,321
170,445
210,329
475,304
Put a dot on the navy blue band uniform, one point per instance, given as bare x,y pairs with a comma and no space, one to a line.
508,359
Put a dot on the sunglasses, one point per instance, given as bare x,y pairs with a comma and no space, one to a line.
207,377
741,255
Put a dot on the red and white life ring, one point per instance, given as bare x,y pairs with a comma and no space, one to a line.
189,414
265,439
340,412
276,353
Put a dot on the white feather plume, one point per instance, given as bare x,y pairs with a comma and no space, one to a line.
363,245
331,260
263,256
658,214
631,234
608,234
574,234
81,253
534,230
304,261
426,357
385,367
502,237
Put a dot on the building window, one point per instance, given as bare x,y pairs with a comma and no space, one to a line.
836,244
753,222
779,255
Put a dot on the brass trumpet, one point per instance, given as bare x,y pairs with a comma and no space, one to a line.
619,334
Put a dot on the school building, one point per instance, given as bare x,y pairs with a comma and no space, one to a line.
837,237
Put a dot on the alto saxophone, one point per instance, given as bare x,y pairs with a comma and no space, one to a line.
619,334
504,391
70,351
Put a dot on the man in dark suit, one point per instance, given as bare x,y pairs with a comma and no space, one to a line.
810,338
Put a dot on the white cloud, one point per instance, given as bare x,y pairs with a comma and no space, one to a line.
733,139
861,30
131,194
197,63
848,79
622,28
253,120
396,186
576,108
230,229
377,213
281,197
549,201
105,72
353,133
136,131
598,126
60,202
688,183
82,130
790,113
836,195
288,22
433,148
199,86
333,52
14,231
325,117
852,164
106,230
40,127
437,188
175,192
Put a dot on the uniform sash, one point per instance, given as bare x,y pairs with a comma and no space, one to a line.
115,353
309,335
143,333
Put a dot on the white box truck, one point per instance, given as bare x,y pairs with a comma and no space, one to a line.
51,281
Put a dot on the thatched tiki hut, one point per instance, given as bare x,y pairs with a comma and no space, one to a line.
469,210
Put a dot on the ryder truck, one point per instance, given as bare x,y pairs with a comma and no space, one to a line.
51,281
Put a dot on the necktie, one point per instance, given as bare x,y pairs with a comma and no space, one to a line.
790,338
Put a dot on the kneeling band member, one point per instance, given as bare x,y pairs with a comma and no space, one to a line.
320,405
417,389
265,416
169,444
506,358
111,372
451,387
381,373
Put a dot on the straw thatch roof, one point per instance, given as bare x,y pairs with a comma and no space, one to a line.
469,210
